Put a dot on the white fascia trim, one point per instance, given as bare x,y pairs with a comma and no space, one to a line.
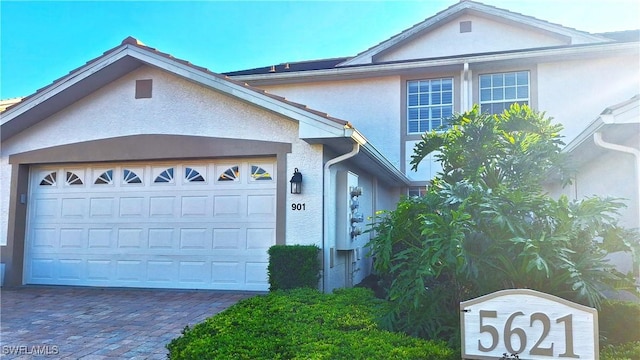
373,153
585,135
62,84
184,71
603,49
238,91
616,114
547,26
366,56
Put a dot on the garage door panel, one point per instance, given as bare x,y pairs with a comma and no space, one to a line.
100,238
71,269
227,272
227,205
195,239
255,273
194,206
44,238
195,225
129,238
100,270
46,208
162,206
42,270
227,239
72,238
194,272
162,271
74,208
131,206
161,239
260,238
101,207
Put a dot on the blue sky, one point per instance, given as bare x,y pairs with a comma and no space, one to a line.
42,41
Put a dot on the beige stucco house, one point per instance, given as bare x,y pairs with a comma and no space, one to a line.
138,169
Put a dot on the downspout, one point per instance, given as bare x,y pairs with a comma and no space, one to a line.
466,95
326,256
597,138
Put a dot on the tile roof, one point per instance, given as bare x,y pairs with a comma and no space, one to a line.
5,103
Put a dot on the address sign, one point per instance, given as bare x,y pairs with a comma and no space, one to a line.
529,323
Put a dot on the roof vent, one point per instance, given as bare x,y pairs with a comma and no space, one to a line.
144,89
273,68
286,66
465,26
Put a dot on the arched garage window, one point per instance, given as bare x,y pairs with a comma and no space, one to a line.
231,174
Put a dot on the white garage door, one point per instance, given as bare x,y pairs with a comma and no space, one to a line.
190,225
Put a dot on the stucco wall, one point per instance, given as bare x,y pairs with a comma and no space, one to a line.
575,92
177,107
372,105
351,267
610,174
486,36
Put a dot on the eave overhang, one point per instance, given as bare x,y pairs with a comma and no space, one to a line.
619,124
369,157
526,56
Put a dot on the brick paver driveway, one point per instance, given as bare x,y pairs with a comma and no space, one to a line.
91,323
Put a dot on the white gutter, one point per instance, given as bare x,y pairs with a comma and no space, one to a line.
326,252
597,138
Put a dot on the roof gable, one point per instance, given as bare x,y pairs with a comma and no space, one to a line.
130,55
433,36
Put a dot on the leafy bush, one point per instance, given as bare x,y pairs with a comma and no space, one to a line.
619,322
486,224
293,266
628,351
302,324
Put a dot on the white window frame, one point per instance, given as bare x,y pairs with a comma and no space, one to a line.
428,107
417,191
503,92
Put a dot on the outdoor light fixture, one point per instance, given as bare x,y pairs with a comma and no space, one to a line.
296,182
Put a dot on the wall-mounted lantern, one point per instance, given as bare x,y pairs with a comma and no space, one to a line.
296,182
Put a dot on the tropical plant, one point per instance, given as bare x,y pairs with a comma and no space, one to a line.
486,224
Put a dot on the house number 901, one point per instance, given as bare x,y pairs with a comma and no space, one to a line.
298,206
510,331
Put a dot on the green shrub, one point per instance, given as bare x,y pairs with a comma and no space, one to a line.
486,223
303,324
628,351
619,322
293,266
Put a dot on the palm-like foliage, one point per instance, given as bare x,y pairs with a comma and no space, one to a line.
486,224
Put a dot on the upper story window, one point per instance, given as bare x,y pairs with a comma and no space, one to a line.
429,104
418,191
499,91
